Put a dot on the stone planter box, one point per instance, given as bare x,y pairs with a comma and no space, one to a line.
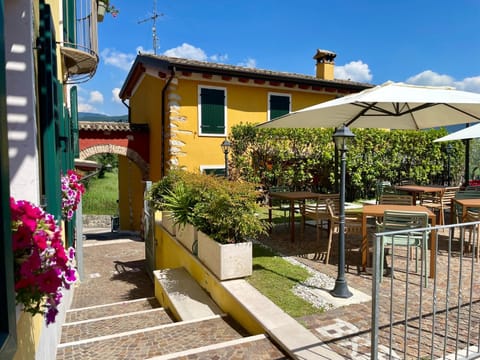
168,222
187,235
225,261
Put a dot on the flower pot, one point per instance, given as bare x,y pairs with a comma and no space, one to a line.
187,235
101,9
225,261
168,222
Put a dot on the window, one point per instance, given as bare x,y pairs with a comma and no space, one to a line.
216,170
278,105
211,109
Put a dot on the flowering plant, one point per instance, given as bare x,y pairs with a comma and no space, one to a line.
112,10
72,191
42,266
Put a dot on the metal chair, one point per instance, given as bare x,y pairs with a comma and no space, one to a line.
402,220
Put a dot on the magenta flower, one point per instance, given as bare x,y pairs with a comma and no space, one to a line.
42,266
72,191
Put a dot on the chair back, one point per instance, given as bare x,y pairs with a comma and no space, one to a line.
333,207
449,194
405,220
383,187
394,199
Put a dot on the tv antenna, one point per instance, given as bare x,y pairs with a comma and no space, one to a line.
153,18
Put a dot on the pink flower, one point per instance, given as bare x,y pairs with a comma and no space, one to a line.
42,265
72,191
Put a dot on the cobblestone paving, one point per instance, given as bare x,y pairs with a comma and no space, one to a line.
347,329
147,344
94,312
114,274
255,350
115,325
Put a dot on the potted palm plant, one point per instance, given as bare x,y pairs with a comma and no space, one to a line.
157,196
224,213
180,201
227,221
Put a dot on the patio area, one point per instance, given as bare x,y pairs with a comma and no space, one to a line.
414,321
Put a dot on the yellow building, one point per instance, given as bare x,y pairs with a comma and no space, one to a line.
190,106
46,47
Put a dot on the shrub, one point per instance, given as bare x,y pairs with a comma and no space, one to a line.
222,209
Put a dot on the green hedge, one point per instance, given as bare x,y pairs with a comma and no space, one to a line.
304,159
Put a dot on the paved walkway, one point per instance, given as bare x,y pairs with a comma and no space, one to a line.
114,272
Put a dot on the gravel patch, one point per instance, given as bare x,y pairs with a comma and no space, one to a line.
308,290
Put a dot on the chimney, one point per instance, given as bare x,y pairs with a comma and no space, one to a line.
325,64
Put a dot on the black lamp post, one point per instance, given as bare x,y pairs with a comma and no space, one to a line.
226,148
340,137
448,150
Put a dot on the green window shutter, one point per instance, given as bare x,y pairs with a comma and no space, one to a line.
8,331
69,21
50,113
74,121
212,111
279,105
216,172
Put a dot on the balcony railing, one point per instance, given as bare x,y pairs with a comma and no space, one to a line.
80,46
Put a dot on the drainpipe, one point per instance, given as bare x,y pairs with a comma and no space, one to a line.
128,107
163,120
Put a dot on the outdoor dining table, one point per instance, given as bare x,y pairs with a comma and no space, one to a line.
292,197
466,204
417,190
378,211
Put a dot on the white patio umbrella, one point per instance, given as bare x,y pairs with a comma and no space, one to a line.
390,106
471,132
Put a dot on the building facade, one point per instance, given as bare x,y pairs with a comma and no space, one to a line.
190,106
47,46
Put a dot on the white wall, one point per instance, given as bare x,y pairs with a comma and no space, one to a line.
21,102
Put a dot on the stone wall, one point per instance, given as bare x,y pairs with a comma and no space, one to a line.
97,221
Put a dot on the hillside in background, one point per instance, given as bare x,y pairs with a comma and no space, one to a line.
85,116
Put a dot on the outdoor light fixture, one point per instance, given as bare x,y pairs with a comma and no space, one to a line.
448,150
341,137
226,148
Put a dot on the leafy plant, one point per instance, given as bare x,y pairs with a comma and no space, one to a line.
42,266
225,210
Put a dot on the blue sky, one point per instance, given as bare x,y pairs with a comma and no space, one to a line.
422,42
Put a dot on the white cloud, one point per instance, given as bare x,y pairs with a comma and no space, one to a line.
85,107
187,51
118,59
353,71
95,97
249,63
115,97
431,78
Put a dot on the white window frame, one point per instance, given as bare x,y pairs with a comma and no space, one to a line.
224,89
278,94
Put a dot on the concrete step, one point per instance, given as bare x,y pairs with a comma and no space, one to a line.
252,348
184,297
154,341
118,308
110,325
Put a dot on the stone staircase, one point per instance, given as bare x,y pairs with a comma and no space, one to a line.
142,329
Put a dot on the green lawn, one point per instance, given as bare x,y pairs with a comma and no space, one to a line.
101,195
275,278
